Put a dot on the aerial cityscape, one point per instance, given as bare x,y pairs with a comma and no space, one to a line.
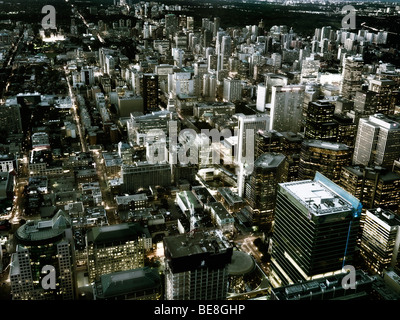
185,150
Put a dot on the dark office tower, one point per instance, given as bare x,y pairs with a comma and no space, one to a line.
39,244
196,266
373,186
267,141
171,25
291,149
316,224
385,98
217,24
346,129
269,170
291,143
10,118
377,141
268,44
365,102
351,81
207,38
143,175
150,92
325,157
380,240
319,121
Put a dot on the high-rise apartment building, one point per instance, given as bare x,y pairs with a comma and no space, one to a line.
286,108
261,97
380,239
325,157
316,224
232,90
196,266
43,243
377,141
115,248
365,102
351,76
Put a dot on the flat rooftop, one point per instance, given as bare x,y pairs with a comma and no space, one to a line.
211,241
326,145
315,196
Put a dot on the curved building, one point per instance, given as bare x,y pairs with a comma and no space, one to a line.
41,244
245,278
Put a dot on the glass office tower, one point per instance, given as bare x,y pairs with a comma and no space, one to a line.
316,225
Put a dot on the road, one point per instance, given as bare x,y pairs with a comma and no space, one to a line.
109,202
75,112
94,31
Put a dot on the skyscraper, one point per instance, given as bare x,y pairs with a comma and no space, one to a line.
385,99
377,141
261,97
196,266
232,90
351,77
247,128
325,157
171,25
316,223
150,92
373,186
43,243
380,239
269,170
319,121
286,108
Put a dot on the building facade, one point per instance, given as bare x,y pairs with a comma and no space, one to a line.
196,266
316,224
